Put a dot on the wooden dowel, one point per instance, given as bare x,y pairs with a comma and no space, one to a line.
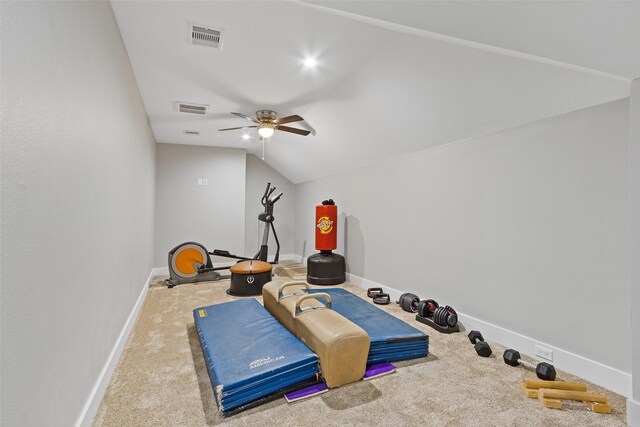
529,392
546,393
551,403
599,408
558,385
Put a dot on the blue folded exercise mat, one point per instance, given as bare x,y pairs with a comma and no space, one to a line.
391,338
249,354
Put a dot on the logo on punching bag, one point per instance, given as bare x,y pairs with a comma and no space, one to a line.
325,225
249,279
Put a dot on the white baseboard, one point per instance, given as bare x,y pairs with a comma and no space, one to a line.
90,409
633,413
595,372
366,283
160,271
294,257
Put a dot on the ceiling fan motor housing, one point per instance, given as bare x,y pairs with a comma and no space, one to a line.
266,115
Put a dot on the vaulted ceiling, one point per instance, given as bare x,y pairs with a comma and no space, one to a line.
392,77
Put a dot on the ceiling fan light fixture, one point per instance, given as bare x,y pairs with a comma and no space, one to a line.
265,130
310,62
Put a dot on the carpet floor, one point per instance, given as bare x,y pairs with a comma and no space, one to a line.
161,380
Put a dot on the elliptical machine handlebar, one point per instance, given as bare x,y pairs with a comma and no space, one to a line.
268,201
267,193
275,199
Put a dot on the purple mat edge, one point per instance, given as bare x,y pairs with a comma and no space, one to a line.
306,392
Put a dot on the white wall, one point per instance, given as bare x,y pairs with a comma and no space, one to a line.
633,408
258,174
525,228
77,184
185,211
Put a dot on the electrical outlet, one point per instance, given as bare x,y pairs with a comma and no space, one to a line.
205,181
543,353
199,181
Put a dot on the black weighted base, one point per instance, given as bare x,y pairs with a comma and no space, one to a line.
243,285
326,268
434,325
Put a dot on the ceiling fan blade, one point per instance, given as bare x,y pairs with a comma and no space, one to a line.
313,131
288,119
241,127
294,130
244,116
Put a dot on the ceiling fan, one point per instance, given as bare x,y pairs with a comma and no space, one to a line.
267,122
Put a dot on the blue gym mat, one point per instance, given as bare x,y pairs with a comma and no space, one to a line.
391,338
249,354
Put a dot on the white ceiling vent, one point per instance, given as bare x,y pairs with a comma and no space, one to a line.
205,36
191,132
187,107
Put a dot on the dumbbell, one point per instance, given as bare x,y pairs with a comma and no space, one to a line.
544,371
482,348
445,316
427,307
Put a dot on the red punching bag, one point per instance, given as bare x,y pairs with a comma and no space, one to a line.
326,227
326,268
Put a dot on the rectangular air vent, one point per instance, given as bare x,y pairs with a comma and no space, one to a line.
205,36
191,108
191,132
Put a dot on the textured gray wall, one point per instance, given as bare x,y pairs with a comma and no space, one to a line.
213,214
525,228
258,174
77,181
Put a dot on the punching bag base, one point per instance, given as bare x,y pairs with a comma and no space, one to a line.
326,269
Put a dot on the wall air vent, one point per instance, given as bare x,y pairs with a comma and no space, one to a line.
191,132
205,36
188,107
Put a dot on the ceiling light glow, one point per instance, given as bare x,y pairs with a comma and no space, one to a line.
310,63
245,136
265,130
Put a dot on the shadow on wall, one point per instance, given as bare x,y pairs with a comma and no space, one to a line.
354,246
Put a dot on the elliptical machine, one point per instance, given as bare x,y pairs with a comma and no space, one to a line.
190,262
